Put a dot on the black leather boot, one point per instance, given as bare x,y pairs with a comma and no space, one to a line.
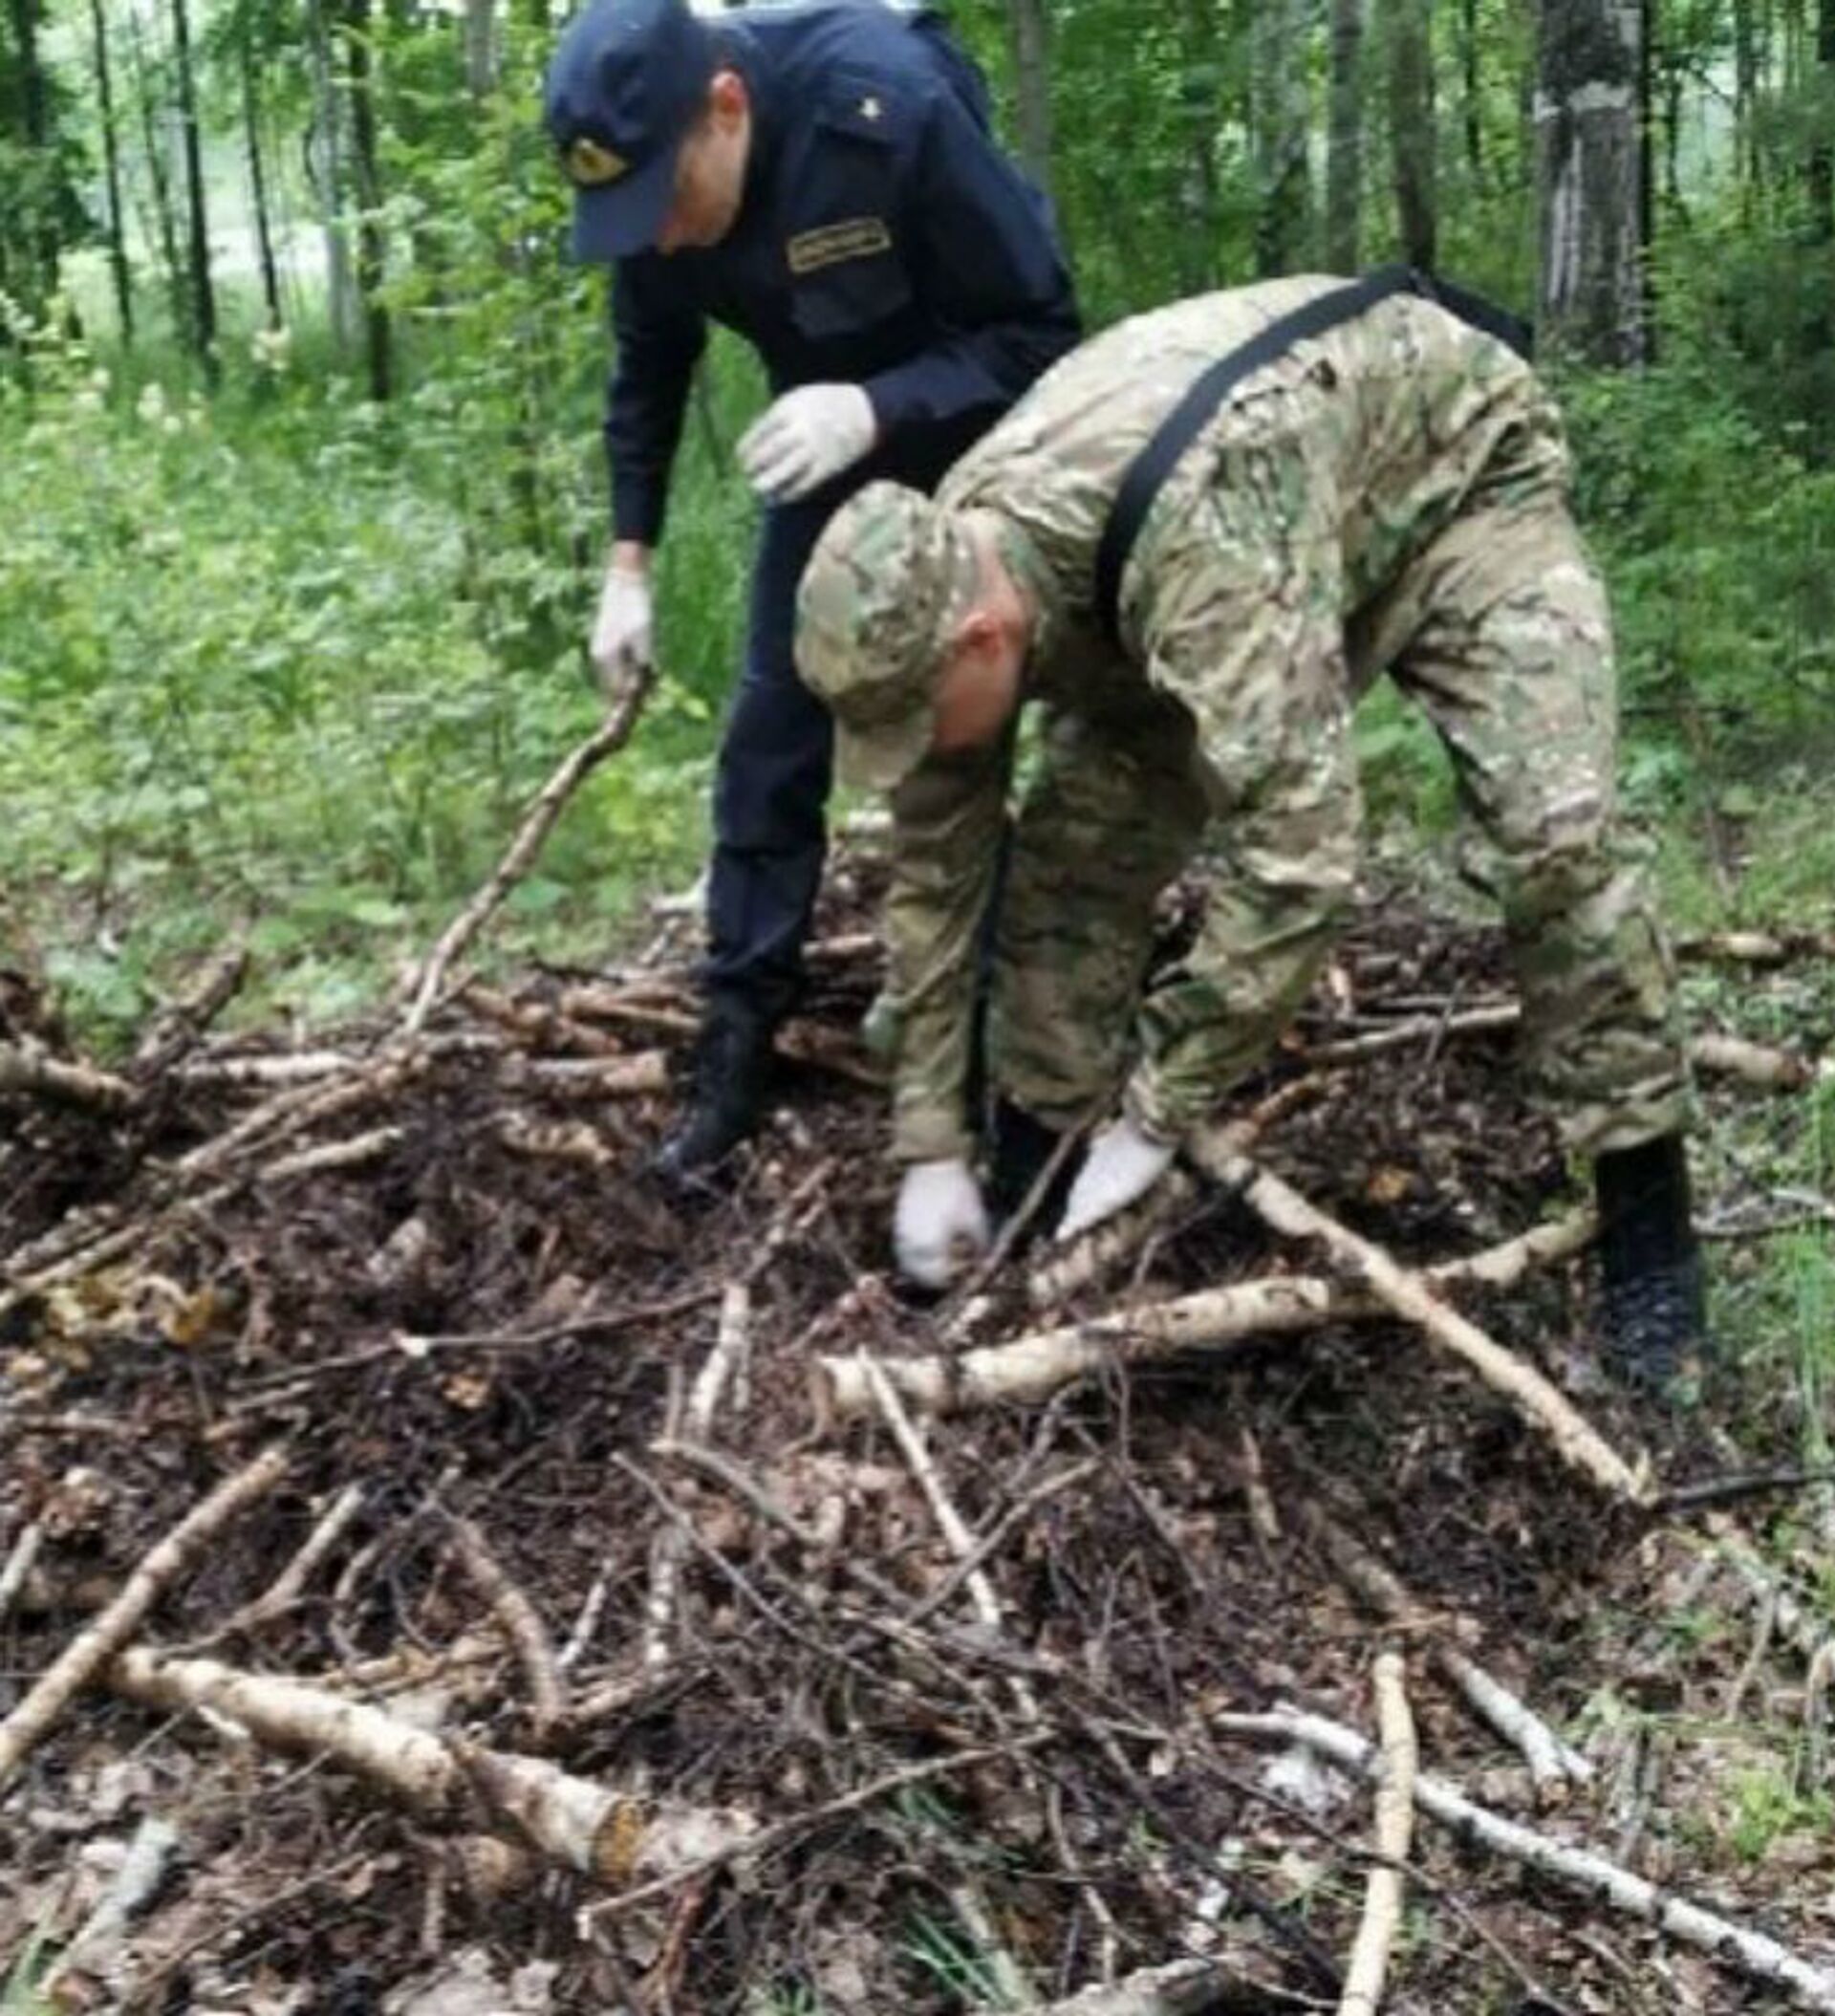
1021,1147
1652,1314
732,1069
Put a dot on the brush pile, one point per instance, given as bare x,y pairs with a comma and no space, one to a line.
443,1572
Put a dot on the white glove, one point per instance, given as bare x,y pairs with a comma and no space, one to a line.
940,1222
621,648
1122,1165
805,437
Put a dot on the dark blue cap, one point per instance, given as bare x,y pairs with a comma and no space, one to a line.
625,85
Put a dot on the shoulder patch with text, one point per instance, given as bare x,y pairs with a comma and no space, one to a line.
853,238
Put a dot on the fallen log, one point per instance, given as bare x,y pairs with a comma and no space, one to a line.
1754,1954
1035,1365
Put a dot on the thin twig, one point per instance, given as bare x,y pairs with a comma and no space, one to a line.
609,736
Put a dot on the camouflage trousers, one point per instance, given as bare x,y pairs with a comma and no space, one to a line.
1498,629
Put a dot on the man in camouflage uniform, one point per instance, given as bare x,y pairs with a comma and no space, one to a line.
1388,495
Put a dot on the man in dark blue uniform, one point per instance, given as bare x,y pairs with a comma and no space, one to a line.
821,179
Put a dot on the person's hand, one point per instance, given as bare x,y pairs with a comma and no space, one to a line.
941,1223
805,437
1122,1165
621,647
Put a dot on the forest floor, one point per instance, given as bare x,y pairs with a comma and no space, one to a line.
578,1497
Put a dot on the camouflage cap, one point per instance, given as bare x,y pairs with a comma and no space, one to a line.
889,577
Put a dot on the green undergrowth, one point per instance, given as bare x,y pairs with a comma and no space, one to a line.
258,683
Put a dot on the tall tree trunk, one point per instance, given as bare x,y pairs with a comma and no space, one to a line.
1590,177
481,48
257,171
360,71
158,175
1745,101
112,175
1644,129
204,297
41,246
1279,49
1030,30
1472,90
1822,158
1345,138
1414,143
325,170
1673,88
1200,234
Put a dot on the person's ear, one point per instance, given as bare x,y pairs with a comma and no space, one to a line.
975,632
727,98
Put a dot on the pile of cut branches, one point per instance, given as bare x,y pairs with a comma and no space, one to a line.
442,1571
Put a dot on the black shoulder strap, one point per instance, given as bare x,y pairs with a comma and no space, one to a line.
1181,427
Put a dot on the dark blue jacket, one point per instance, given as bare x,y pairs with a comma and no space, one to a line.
883,240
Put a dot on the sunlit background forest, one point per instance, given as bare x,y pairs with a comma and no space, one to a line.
305,502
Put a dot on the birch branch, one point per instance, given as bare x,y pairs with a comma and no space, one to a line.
623,1077
1752,1953
1762,948
16,1571
1369,1968
1417,1029
588,1826
1418,1300
669,1547
82,1085
518,1616
135,1882
1031,1366
955,1533
287,1587
1757,1064
297,1067
96,1643
1553,1765
1089,1258
609,737
723,1363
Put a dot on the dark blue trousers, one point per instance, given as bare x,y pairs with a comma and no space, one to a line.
776,760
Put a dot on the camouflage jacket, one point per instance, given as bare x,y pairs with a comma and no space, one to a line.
1399,413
